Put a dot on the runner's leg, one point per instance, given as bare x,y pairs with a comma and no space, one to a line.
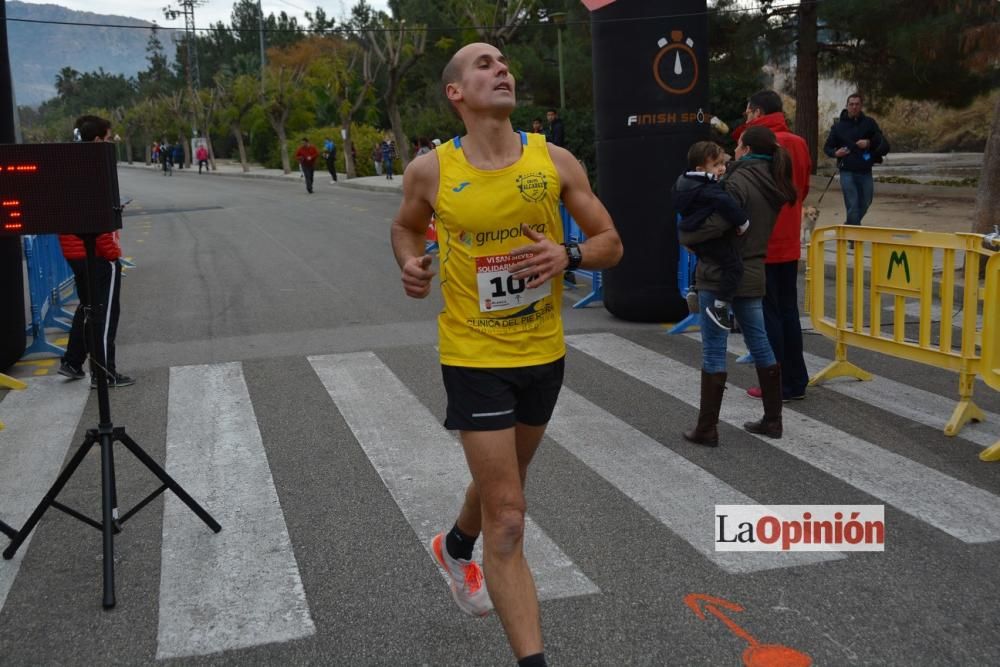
494,463
528,438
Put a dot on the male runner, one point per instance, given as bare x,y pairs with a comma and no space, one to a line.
495,196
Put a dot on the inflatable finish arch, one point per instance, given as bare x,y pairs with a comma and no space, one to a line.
650,63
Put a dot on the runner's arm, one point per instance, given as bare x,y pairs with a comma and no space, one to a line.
409,228
602,248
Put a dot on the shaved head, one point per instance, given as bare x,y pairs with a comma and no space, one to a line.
452,72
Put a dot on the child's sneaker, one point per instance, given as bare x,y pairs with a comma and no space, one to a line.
720,315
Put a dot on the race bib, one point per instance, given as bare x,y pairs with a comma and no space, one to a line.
499,290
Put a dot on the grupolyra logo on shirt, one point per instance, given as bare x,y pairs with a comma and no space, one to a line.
501,235
800,528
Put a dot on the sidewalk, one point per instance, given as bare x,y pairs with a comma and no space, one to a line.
230,169
921,207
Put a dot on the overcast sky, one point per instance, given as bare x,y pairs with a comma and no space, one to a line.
208,12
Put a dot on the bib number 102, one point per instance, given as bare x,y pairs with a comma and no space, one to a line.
513,285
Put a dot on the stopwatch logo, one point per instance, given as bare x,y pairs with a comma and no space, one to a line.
675,66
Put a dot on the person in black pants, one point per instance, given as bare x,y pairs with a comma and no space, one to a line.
330,155
306,155
106,271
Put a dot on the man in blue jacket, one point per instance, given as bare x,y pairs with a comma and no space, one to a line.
857,143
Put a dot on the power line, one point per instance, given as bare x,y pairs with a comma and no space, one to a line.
338,29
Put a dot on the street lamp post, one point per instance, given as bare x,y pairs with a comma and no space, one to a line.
559,18
260,17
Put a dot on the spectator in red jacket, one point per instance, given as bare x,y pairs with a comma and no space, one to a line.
781,265
202,156
306,155
103,304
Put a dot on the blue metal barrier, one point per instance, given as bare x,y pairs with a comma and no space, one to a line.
573,234
62,285
686,263
50,285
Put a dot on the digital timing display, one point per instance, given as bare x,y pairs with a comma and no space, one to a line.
69,188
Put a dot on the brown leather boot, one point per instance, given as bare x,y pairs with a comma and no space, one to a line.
712,387
770,386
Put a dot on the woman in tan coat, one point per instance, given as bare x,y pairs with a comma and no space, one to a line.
760,181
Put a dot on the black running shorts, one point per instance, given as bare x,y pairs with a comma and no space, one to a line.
493,399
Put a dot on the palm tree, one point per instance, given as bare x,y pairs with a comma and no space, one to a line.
67,82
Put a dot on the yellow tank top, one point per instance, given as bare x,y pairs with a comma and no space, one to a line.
491,320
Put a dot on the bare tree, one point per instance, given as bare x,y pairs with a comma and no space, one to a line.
398,48
983,46
361,59
807,80
496,22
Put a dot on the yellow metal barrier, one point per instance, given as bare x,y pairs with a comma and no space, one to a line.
991,339
901,267
7,382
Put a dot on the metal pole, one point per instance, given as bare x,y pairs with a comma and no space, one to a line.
562,85
260,14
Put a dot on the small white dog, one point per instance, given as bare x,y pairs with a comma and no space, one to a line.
810,214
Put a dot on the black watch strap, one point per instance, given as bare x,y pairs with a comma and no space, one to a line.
574,256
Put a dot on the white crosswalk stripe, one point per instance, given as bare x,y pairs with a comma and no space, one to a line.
422,464
953,506
918,405
40,423
680,494
245,578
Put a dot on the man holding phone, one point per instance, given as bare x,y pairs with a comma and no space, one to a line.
857,143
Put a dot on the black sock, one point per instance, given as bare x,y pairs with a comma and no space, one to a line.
536,660
458,544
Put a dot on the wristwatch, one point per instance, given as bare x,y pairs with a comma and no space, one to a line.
574,256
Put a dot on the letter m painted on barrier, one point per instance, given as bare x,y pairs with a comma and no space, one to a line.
898,259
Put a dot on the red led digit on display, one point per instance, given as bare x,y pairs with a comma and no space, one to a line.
11,212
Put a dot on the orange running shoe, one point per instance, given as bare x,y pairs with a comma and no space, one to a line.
465,577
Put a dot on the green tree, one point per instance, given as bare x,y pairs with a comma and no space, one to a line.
157,79
278,97
238,96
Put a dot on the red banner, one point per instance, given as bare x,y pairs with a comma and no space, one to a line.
594,5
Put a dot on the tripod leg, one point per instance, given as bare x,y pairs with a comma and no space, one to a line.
178,490
60,482
114,494
108,522
7,530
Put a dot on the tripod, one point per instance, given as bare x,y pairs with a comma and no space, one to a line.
105,435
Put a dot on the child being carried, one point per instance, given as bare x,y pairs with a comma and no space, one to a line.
697,194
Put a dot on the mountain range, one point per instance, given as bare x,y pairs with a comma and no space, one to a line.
38,51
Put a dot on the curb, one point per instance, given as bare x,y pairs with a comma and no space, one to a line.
817,183
292,176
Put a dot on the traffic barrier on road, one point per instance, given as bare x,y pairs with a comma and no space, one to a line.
900,265
687,262
991,339
7,382
573,234
50,285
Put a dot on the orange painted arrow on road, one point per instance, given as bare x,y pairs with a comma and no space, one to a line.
756,654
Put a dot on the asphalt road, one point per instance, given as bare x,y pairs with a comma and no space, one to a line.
293,389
